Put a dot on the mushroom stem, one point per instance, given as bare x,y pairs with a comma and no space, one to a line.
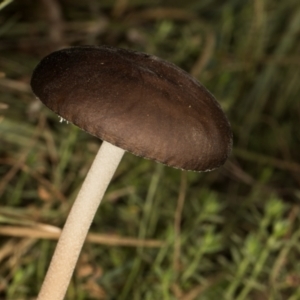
78,223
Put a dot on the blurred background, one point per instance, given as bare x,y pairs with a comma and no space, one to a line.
232,233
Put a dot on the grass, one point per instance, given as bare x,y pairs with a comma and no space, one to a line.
229,234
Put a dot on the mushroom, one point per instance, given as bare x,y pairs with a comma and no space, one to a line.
134,102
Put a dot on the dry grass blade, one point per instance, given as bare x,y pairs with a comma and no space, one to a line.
55,21
6,249
104,239
20,165
177,221
5,3
161,14
205,56
16,165
195,292
15,85
263,159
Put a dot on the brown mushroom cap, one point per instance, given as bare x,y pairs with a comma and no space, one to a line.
137,102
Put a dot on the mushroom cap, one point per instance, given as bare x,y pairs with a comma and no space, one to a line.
137,102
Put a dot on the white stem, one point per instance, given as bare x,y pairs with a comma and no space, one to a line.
78,223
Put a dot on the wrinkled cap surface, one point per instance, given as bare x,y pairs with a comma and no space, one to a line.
137,102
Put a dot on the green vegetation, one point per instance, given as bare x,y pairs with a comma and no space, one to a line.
238,233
